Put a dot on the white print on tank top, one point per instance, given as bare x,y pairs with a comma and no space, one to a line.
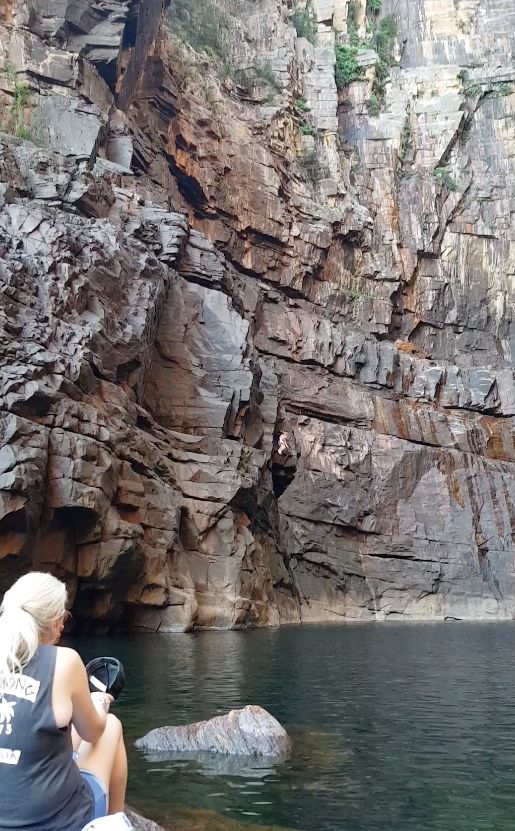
9,757
6,714
19,686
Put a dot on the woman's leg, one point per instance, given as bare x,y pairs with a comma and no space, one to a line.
107,759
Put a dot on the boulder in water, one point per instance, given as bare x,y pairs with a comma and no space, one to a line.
251,731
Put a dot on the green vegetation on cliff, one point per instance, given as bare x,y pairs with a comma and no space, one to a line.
206,28
347,68
201,24
381,38
11,120
304,21
442,175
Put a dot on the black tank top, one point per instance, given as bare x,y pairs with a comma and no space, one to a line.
41,788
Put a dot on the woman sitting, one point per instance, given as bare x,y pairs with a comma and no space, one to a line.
43,692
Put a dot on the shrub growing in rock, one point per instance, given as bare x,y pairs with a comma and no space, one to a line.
202,24
11,120
314,167
300,105
346,68
406,145
265,73
257,76
352,24
383,39
445,178
373,106
504,89
303,19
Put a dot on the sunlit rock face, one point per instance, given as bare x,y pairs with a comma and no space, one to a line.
256,332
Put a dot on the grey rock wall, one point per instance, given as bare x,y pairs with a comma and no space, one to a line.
256,354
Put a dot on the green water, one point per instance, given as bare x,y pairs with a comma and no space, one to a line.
395,727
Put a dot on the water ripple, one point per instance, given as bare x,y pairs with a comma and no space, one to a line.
395,727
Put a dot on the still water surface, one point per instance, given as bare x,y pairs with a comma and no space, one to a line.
396,727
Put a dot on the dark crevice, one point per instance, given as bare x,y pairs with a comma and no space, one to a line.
282,477
78,518
188,186
108,71
131,29
14,522
35,406
139,468
124,371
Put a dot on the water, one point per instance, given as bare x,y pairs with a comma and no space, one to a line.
395,727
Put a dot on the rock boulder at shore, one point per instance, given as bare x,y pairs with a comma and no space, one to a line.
251,731
142,823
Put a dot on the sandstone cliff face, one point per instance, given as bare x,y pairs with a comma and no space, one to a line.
257,342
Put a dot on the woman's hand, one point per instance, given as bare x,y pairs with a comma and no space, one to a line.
102,701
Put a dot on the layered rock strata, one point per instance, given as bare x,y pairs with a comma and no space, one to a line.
257,342
250,731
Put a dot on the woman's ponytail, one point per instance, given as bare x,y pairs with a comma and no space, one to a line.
28,610
19,639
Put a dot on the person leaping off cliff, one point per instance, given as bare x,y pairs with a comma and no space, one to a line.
46,708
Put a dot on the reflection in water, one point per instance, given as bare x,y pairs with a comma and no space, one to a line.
395,727
218,764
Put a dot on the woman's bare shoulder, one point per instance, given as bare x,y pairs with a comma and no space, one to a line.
67,679
67,658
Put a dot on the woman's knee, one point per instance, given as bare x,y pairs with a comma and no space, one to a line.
112,734
113,726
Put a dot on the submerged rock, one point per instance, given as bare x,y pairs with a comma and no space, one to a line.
251,731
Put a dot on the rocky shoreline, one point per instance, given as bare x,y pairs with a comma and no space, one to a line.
197,820
142,823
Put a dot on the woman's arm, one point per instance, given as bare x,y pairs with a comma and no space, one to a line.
88,716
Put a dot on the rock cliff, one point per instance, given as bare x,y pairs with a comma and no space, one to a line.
257,327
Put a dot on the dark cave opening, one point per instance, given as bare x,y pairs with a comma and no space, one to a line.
78,519
108,71
282,477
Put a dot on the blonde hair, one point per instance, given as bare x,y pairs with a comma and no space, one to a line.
28,610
